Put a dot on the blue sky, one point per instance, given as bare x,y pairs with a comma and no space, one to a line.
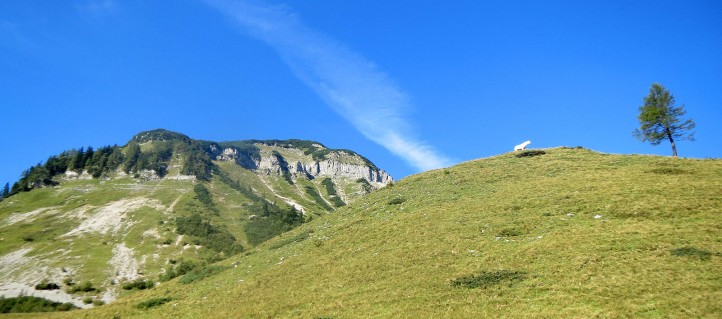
412,85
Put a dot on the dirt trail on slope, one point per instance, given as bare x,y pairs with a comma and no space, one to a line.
172,205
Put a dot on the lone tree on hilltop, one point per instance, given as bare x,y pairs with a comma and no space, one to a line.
660,120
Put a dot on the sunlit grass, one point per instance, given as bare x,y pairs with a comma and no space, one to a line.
567,234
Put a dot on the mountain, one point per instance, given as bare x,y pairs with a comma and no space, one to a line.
553,233
89,222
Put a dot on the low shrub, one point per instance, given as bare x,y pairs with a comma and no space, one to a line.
487,279
65,307
83,287
530,153
397,200
47,285
200,273
178,269
32,304
216,238
153,302
139,284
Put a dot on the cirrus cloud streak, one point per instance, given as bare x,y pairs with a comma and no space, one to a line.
347,82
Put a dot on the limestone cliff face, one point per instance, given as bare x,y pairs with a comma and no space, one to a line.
335,165
333,168
232,154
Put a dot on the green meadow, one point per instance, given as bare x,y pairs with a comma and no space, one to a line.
563,232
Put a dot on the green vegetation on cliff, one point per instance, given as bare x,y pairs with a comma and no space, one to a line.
160,207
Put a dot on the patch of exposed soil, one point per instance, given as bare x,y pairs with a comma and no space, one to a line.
111,217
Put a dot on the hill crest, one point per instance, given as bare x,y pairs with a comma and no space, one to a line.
563,232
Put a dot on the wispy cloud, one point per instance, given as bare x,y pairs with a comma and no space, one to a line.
350,84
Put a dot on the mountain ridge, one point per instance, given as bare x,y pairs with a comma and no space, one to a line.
246,153
163,204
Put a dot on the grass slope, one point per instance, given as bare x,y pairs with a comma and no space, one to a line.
569,233
111,231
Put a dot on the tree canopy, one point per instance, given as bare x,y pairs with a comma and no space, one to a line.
660,120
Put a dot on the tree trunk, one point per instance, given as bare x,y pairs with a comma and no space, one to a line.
671,141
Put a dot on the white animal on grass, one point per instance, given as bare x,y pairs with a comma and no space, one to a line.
522,146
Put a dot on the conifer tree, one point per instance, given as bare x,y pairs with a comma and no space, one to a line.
5,191
131,159
115,159
76,161
660,120
57,164
88,158
17,188
36,176
96,166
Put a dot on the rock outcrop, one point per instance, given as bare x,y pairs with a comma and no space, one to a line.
337,164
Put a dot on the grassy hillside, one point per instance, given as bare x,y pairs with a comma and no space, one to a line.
87,236
568,233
